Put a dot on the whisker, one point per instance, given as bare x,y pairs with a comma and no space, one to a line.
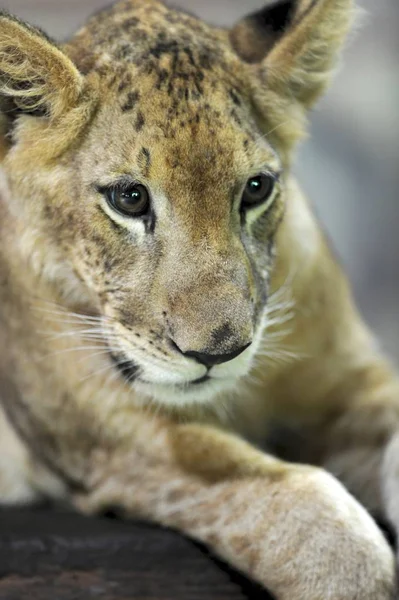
95,373
280,354
113,377
100,334
79,349
74,317
100,353
276,335
279,320
264,136
52,303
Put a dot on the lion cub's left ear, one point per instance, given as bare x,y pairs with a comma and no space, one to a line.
295,43
36,77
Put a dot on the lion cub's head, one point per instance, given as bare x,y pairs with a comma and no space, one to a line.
147,161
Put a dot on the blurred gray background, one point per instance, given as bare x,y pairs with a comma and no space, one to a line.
350,167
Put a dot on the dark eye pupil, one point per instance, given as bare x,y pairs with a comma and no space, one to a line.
257,190
132,202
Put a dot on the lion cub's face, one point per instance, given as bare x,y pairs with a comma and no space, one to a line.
163,205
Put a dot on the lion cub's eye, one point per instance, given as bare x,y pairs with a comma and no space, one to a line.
133,201
257,191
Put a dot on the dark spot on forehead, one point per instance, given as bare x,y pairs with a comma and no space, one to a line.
206,59
140,122
123,51
130,22
147,155
162,77
126,81
190,55
164,47
144,160
131,101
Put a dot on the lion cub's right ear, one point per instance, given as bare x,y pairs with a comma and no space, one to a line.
36,77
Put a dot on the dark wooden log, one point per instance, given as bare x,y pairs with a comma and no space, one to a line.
51,555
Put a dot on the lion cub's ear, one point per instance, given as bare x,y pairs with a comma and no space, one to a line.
36,77
295,43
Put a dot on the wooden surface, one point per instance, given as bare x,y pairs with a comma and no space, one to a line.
46,555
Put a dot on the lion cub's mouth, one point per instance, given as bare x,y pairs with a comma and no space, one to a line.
131,372
202,379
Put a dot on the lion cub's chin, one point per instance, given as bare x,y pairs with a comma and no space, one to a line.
205,392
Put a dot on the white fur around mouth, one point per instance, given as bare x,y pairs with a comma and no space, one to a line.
186,394
188,384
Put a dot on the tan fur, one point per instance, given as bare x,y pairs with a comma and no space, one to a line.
153,95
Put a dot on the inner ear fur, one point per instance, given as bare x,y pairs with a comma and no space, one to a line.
295,43
255,35
36,77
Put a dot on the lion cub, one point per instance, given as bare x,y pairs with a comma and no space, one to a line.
155,252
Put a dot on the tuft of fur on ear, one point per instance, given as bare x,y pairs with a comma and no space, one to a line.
36,77
296,43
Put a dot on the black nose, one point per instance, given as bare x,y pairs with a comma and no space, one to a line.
211,360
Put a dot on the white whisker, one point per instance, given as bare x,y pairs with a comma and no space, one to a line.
105,348
95,373
264,136
66,313
101,334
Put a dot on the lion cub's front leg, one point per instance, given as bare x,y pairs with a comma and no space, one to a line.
15,467
293,528
23,479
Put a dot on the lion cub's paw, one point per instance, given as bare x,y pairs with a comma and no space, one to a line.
326,546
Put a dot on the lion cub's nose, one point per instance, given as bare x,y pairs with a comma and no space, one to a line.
211,360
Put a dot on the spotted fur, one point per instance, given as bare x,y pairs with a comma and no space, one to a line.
107,322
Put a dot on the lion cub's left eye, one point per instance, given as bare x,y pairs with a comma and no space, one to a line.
131,202
257,191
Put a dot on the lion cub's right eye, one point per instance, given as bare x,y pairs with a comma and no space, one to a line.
133,201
